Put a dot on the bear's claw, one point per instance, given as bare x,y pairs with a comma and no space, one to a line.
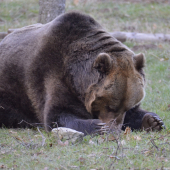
152,122
101,124
160,121
103,128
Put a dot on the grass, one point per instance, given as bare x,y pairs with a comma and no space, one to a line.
126,16
22,148
17,13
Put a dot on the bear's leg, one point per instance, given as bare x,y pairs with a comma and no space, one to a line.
87,126
68,120
11,118
138,119
13,114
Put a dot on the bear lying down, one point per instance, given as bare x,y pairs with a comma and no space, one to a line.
71,73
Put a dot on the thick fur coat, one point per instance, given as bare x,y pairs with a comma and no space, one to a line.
71,73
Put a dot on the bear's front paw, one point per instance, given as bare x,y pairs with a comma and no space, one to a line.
152,122
108,127
101,128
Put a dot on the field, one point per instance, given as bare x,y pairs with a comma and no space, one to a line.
25,148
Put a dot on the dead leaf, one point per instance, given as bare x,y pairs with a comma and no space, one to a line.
138,138
18,138
2,152
63,143
164,59
3,145
148,152
74,167
75,2
66,143
123,142
127,131
169,107
92,155
112,156
82,160
2,166
15,166
162,159
12,132
154,26
2,107
91,142
111,137
160,46
100,140
39,153
46,168
17,154
37,136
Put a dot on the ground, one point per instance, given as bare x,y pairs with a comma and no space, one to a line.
22,149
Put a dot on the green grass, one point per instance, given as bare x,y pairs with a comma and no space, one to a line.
125,16
17,13
23,149
113,15
148,151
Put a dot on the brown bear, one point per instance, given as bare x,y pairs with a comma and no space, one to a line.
71,73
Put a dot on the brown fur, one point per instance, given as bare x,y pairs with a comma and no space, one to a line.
69,71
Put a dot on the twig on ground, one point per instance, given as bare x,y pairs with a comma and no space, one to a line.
43,137
31,124
26,145
117,132
153,143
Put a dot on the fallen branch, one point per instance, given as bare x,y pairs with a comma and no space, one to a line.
140,37
3,34
124,36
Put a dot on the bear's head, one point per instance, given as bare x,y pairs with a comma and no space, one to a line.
119,88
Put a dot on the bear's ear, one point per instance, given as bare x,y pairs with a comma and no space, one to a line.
139,61
103,63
